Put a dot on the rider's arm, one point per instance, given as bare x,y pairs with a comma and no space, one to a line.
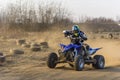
83,36
67,33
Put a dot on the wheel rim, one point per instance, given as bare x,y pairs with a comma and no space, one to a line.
81,63
101,63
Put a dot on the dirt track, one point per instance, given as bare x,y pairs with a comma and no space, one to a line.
32,65
35,72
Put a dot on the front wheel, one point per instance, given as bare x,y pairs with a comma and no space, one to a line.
79,63
52,60
100,62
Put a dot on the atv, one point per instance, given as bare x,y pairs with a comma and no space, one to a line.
76,56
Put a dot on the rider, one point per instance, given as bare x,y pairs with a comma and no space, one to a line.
76,33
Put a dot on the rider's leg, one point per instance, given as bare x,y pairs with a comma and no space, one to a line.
87,47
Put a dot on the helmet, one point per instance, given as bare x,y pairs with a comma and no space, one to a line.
75,29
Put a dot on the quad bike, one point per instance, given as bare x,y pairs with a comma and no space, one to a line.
76,56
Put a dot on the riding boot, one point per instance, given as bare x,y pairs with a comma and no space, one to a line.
87,51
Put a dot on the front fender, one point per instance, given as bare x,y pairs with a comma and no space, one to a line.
93,51
68,47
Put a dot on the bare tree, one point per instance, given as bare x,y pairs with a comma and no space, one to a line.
29,16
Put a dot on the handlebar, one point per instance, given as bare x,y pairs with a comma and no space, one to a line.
74,37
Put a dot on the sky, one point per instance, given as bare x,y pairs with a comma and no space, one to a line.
94,8
78,8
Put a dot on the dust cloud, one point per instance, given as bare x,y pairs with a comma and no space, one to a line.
110,47
110,50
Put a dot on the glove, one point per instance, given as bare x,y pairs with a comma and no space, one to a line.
64,31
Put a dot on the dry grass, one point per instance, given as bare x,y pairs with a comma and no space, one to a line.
32,65
17,33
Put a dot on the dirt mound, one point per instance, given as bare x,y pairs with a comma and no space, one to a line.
44,45
16,51
35,47
26,45
110,50
20,41
2,58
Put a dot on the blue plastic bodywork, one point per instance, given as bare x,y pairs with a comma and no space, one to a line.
93,50
77,47
68,47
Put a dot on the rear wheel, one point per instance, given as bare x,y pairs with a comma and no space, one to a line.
79,63
100,62
52,60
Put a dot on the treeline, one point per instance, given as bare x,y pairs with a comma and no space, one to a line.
30,16
100,24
